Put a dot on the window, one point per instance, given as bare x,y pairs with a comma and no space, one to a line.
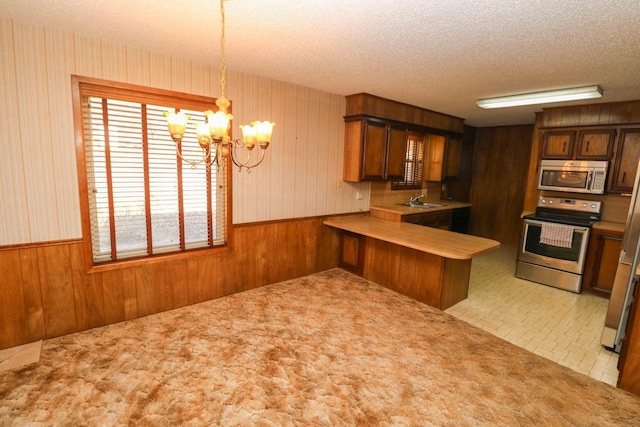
140,199
413,165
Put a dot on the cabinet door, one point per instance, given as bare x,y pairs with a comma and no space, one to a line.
396,153
427,219
352,252
444,220
452,159
602,261
374,151
625,164
558,145
434,157
595,144
439,219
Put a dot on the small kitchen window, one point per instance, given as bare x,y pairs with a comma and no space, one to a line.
414,164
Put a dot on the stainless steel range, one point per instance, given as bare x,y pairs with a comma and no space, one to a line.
554,242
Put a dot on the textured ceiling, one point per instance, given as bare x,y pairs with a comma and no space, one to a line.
437,54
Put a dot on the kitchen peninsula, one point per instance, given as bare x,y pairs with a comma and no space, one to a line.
427,264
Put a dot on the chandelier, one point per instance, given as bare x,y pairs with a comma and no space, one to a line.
213,136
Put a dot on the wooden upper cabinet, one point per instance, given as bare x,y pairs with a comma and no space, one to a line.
376,135
595,144
434,157
374,150
625,164
452,157
442,157
396,153
558,144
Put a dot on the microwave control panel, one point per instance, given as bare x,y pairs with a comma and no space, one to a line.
599,178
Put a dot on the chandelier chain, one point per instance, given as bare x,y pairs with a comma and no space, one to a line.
223,68
213,135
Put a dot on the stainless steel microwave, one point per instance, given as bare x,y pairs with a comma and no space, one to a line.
574,176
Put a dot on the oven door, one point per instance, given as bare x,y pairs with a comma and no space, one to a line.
565,259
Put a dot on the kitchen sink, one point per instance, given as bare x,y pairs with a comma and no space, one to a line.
424,205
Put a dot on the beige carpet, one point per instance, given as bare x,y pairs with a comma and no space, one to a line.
327,349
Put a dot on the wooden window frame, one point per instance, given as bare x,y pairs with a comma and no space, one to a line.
414,160
82,86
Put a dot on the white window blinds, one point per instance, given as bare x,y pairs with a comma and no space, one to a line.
143,200
414,161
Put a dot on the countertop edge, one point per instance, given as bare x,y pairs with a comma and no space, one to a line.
424,239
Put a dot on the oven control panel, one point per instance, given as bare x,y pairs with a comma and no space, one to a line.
587,206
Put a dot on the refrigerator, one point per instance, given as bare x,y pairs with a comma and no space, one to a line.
626,276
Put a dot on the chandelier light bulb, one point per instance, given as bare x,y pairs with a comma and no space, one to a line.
263,130
177,124
249,136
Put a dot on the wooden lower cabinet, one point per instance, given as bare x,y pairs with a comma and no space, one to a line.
434,280
602,261
439,219
352,252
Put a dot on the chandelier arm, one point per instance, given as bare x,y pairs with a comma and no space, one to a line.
245,164
235,144
193,163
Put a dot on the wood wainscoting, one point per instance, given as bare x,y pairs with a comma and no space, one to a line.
45,291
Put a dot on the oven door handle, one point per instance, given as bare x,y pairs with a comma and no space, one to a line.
536,222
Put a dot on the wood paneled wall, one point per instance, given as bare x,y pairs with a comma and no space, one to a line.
499,181
45,291
301,176
611,113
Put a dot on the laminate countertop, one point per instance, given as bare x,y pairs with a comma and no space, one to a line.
443,243
610,226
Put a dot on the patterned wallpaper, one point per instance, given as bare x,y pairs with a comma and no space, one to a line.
300,177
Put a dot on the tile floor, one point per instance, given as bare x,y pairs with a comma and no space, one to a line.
556,324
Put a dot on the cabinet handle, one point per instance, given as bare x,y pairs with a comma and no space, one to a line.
564,146
587,146
624,175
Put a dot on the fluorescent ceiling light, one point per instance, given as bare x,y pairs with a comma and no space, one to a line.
573,94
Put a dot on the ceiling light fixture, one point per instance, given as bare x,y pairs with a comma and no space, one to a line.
560,95
213,136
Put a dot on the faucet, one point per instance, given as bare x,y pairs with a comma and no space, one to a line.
413,200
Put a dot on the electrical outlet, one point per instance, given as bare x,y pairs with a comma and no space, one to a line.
359,195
